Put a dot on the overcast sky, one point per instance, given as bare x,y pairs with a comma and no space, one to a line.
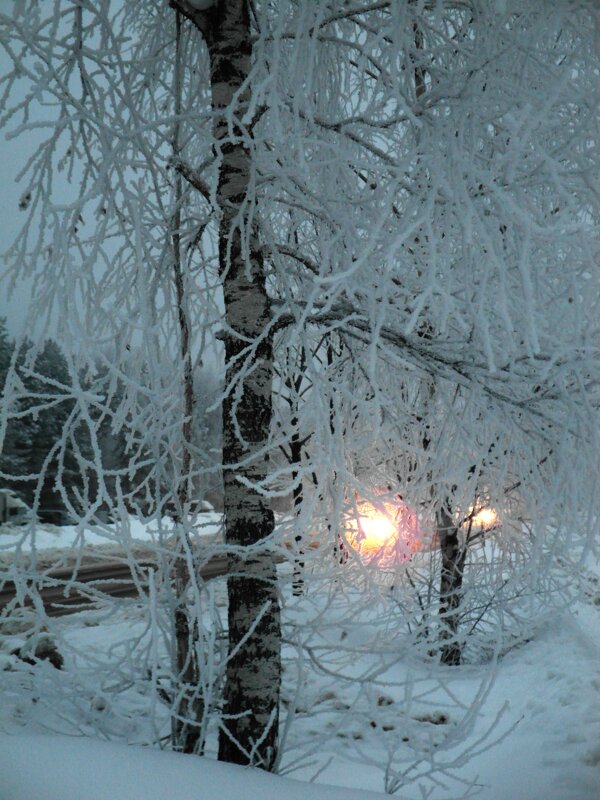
13,154
14,307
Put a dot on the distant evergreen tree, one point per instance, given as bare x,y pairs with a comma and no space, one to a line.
6,348
57,443
15,445
112,439
42,449
49,417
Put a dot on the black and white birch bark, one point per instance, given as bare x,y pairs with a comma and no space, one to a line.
250,714
453,552
188,711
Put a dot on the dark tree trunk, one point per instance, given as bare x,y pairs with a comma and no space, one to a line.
453,561
296,459
249,725
186,725
340,551
293,385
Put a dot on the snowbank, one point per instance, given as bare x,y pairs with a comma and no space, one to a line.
64,768
51,541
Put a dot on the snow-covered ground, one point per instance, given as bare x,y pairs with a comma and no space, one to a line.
552,686
535,733
61,768
545,745
59,537
54,542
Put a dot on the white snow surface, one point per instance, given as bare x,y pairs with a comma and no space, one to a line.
68,768
130,533
551,686
548,748
551,690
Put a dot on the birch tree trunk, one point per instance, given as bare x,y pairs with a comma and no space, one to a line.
186,729
298,495
249,732
447,532
453,560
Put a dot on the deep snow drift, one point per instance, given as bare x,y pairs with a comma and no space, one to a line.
545,691
60,768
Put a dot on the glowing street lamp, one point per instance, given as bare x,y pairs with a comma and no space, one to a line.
386,531
485,519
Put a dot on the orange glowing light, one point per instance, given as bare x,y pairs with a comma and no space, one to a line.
386,532
486,518
377,529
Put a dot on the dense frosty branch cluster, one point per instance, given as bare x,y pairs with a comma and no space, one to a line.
412,185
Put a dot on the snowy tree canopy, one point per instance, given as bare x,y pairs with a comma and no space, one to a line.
433,206
377,221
